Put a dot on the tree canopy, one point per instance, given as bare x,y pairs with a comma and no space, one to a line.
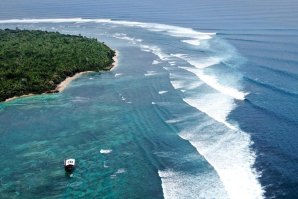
34,61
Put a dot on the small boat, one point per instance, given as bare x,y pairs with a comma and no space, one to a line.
69,165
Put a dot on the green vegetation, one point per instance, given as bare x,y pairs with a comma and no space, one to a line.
33,61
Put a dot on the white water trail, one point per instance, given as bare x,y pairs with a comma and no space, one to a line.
105,151
230,155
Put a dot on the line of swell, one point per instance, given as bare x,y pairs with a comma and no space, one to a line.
258,56
251,30
259,34
271,113
274,41
271,87
281,72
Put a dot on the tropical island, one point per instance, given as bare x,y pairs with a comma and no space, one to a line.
35,62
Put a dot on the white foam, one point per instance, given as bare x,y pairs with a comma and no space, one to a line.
180,55
172,63
184,84
227,150
172,121
177,84
213,83
199,63
178,185
123,36
150,73
155,50
166,68
121,170
145,50
195,42
118,74
105,151
230,155
216,105
156,62
162,92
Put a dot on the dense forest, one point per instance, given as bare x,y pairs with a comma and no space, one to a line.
34,61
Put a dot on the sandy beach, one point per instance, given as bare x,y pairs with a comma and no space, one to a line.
68,80
60,87
116,60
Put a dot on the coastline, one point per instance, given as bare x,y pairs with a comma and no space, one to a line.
116,61
63,85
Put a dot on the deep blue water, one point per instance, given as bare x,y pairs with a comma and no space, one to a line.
203,103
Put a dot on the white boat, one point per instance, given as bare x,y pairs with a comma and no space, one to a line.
69,165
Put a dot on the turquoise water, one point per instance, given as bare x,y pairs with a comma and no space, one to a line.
201,105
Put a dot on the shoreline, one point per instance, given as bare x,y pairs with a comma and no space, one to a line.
63,85
116,61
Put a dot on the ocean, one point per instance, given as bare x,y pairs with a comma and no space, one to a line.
203,103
